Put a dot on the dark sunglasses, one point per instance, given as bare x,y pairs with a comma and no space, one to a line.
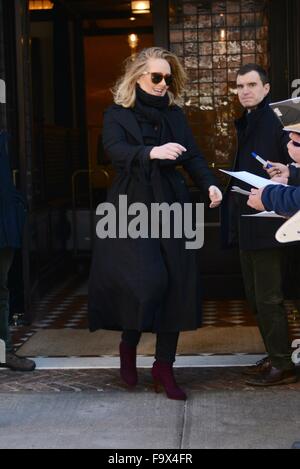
157,78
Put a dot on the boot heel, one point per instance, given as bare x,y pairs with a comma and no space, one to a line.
163,378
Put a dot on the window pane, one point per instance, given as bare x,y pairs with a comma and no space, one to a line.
215,38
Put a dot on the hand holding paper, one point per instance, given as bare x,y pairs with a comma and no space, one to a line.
254,200
255,195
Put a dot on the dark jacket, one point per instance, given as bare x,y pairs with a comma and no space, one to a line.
294,178
146,284
259,131
283,200
12,204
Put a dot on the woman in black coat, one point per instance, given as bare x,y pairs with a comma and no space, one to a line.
149,283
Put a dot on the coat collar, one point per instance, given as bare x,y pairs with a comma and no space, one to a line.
127,119
248,121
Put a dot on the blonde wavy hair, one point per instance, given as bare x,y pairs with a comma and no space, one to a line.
124,91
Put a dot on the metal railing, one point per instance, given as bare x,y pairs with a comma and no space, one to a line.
2,351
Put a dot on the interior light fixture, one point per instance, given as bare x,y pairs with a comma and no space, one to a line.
40,5
133,40
222,34
138,7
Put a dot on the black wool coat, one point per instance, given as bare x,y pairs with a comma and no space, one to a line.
261,132
146,284
12,203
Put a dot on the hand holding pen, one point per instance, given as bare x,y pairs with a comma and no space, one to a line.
278,172
258,158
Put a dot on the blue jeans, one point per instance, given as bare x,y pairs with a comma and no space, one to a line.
6,258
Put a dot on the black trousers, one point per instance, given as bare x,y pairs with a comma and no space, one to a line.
263,273
6,259
166,344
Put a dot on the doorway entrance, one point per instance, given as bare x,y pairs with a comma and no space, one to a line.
77,52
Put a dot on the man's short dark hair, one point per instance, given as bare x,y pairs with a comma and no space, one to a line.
254,68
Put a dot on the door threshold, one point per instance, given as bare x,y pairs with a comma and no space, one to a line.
111,362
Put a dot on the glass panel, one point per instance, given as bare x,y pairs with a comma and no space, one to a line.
190,36
215,38
232,6
177,49
219,61
204,21
218,6
205,48
204,35
190,22
220,75
189,9
205,76
205,62
234,47
233,34
191,48
248,19
176,36
191,62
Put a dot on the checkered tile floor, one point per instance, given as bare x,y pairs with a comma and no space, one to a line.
66,307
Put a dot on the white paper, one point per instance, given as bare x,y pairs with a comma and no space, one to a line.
264,215
240,191
251,179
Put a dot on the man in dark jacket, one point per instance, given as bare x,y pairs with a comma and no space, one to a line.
12,215
259,130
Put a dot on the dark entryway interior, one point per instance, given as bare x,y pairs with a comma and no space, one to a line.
59,82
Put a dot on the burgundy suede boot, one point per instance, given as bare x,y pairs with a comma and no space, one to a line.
128,369
162,373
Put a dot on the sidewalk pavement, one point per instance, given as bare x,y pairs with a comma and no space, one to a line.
91,409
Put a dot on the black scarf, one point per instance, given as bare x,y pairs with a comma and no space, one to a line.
152,109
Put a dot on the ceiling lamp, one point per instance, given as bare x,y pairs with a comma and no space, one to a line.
140,7
133,41
40,5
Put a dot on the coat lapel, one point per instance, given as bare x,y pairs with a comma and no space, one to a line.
176,124
127,119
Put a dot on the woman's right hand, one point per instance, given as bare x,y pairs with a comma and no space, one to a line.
168,151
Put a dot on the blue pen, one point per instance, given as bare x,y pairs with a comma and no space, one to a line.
263,162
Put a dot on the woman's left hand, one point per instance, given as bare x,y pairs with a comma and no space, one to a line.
215,196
